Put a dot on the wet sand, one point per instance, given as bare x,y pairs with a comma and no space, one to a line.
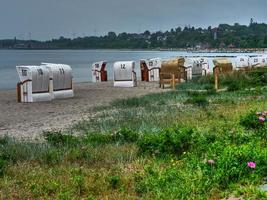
29,120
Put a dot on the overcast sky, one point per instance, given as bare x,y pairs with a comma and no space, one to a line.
46,19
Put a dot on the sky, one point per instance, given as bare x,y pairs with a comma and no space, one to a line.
47,19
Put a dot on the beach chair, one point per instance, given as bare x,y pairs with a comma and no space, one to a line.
99,73
34,84
242,63
124,74
254,62
263,60
195,68
172,72
150,69
61,83
221,66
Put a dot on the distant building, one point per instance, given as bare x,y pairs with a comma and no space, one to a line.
215,33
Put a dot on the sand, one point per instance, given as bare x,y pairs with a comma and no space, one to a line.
30,120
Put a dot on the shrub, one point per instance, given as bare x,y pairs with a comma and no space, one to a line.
78,179
258,77
252,121
169,141
60,139
198,100
114,181
232,164
126,135
234,86
2,166
51,156
210,89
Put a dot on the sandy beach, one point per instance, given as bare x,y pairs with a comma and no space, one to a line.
29,120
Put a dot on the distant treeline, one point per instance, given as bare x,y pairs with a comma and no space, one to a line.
223,36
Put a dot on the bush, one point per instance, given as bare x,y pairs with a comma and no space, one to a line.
258,77
169,141
2,166
114,182
60,139
198,99
210,89
234,86
126,135
232,164
252,121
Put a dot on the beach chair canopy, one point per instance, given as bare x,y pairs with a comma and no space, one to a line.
223,64
123,71
154,63
194,67
38,75
242,61
174,66
254,61
62,76
99,66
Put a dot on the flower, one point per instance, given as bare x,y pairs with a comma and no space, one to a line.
261,119
259,113
264,113
251,165
211,162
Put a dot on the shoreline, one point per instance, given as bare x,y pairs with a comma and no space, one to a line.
212,50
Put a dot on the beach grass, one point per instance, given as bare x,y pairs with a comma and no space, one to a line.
183,144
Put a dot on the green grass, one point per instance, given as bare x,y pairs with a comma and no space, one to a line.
157,146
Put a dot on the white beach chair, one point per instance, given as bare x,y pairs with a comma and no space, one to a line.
242,62
99,73
150,69
124,74
61,81
195,67
34,84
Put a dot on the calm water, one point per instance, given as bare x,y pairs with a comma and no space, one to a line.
79,60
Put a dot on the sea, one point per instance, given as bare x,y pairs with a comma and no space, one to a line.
81,61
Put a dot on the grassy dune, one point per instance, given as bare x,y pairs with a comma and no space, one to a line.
183,144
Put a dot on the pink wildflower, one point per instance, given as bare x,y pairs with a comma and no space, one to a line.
262,119
251,165
264,113
211,162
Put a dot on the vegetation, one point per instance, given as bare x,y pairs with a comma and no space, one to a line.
223,36
159,146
